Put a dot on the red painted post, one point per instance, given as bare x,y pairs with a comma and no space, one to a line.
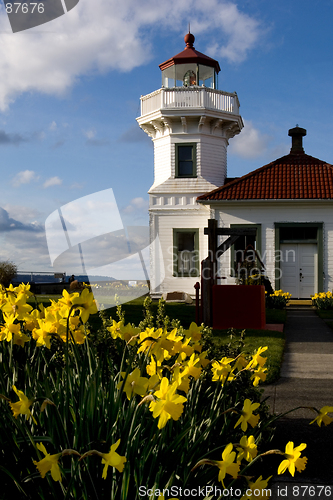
206,291
197,306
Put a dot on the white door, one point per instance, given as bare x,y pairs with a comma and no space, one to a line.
299,268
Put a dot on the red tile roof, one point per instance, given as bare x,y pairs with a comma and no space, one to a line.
190,55
294,176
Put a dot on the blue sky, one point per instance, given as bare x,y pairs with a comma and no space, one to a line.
70,92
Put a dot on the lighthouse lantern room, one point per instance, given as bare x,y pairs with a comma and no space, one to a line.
190,68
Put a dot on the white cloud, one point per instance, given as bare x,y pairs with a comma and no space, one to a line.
136,205
52,181
241,30
24,177
92,140
53,126
105,35
77,185
250,143
23,213
9,224
89,134
27,249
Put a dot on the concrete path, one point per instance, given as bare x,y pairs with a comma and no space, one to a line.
306,380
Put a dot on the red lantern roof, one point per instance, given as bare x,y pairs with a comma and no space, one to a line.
190,55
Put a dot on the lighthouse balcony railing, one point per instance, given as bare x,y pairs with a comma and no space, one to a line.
190,97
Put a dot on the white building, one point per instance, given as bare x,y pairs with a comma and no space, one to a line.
289,201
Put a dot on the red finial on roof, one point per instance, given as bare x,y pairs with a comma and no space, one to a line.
189,40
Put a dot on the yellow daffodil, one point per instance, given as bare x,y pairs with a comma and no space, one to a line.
31,321
55,322
24,288
183,349
115,329
194,332
129,333
148,338
293,459
247,415
86,304
151,368
10,328
67,298
169,404
240,362
20,338
154,367
48,463
184,384
112,459
173,336
134,383
323,417
227,465
258,489
190,368
77,332
248,449
79,335
222,370
258,375
153,382
43,334
257,359
21,407
204,361
17,305
162,349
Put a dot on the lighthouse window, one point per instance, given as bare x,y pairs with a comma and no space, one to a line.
186,252
186,160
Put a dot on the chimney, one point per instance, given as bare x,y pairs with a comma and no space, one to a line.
297,135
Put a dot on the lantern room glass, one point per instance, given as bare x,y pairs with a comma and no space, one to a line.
189,75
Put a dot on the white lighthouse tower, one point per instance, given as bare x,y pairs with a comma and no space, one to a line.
190,122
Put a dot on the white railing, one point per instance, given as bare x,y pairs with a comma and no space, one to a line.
191,97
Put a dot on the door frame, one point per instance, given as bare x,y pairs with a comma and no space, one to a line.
318,241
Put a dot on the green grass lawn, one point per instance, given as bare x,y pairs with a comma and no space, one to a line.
325,314
43,299
274,316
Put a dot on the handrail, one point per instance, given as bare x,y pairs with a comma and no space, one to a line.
190,97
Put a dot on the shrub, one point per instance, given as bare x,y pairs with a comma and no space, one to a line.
8,271
323,300
249,275
277,300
